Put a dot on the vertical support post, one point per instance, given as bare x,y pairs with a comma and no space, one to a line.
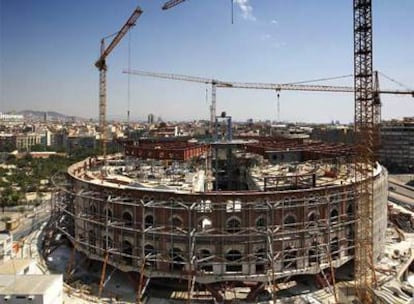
143,255
103,273
328,250
190,256
229,129
216,175
213,123
106,256
141,281
70,264
270,242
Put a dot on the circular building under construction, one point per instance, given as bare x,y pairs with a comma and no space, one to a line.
246,212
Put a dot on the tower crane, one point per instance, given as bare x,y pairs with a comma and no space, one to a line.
102,67
215,83
366,122
171,3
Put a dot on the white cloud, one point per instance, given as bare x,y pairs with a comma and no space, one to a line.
265,36
278,45
246,8
274,21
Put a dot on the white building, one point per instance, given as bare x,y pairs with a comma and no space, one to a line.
36,289
11,117
6,243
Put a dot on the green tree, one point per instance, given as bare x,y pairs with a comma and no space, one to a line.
6,197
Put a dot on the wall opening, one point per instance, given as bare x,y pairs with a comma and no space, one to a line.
233,256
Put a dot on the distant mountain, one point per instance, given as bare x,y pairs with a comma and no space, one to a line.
50,115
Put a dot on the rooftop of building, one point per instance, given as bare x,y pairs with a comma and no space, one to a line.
4,235
27,284
269,165
406,121
15,266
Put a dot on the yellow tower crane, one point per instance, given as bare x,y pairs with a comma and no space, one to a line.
102,67
215,83
171,3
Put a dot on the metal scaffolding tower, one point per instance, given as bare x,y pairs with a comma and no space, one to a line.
366,119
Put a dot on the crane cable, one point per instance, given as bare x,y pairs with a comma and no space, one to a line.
321,79
395,81
129,81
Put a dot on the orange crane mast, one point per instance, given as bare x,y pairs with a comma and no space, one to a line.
102,67
367,119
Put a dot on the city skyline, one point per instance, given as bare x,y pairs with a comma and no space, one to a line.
48,50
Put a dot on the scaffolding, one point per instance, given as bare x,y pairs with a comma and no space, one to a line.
198,252
209,238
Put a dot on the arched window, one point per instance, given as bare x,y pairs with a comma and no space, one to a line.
233,206
127,250
350,241
106,240
261,223
334,248
92,241
92,209
149,249
334,198
233,256
313,200
107,212
287,201
334,215
127,218
204,254
313,217
233,225
312,221
260,260
176,222
289,220
205,223
177,261
149,221
313,253
289,258
175,203
204,206
92,237
350,211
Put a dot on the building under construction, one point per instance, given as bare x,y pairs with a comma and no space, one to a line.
248,212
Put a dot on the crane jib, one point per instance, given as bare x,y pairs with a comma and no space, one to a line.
130,22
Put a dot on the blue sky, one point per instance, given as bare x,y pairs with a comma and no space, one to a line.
48,49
